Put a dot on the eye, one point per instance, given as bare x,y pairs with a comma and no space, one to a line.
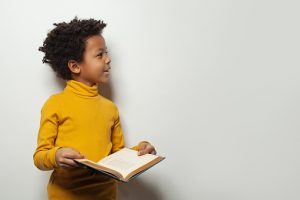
100,55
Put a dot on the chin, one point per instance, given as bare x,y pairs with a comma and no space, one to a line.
103,81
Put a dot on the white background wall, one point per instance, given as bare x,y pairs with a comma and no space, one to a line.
213,84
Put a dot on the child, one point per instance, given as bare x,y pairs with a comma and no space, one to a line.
78,122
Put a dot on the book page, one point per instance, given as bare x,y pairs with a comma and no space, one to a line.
126,160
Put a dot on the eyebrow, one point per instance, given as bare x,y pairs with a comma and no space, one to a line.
102,49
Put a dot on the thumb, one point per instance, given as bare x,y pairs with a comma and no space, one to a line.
78,155
81,156
141,152
142,149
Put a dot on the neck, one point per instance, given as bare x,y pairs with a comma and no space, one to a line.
86,82
81,89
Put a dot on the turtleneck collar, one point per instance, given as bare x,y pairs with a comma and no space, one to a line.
81,89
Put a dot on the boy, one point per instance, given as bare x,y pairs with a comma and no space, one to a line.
79,122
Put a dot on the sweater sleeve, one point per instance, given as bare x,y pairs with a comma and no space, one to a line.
44,155
118,137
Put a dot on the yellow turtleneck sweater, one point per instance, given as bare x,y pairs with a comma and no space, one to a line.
81,118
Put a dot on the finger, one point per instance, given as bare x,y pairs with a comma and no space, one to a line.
142,152
142,146
146,150
149,149
73,155
78,154
153,152
69,162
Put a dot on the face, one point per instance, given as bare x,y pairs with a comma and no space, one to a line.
94,68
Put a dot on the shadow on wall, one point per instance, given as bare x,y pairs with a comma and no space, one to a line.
138,189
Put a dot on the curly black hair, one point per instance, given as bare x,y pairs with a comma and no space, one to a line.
67,41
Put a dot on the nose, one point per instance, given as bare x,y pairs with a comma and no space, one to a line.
108,60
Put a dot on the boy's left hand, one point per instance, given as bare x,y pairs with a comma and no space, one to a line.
146,147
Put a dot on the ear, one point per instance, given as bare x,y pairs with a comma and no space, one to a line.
74,66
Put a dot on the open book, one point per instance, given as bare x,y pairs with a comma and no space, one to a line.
122,165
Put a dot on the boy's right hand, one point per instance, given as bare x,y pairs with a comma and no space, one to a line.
64,157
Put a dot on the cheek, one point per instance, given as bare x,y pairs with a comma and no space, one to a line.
97,66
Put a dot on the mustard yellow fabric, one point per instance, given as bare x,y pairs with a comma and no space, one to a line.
81,118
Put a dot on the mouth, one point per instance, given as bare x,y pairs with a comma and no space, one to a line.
106,71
